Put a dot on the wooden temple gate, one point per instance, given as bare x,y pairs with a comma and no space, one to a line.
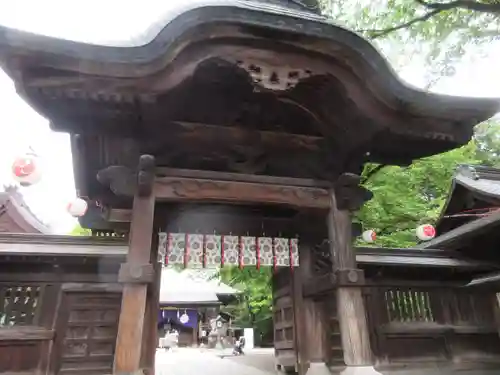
253,119
62,300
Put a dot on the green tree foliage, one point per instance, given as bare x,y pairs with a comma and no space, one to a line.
79,231
255,304
487,137
405,197
440,32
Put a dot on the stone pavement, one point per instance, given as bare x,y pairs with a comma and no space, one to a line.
189,361
259,358
195,361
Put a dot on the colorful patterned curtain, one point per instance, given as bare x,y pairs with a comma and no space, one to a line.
212,251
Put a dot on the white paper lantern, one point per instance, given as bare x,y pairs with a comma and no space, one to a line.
426,232
184,318
26,169
77,207
369,235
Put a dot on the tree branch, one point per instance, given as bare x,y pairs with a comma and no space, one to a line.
463,4
436,8
379,33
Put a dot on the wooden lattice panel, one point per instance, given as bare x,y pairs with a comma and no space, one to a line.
18,304
413,324
409,305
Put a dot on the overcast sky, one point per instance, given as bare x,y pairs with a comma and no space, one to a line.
104,21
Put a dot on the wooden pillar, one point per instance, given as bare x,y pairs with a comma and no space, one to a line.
346,197
299,320
496,309
136,274
315,325
150,334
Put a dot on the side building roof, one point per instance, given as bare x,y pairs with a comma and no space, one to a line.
470,220
475,191
191,287
16,216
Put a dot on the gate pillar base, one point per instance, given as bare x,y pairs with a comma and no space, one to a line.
360,370
318,368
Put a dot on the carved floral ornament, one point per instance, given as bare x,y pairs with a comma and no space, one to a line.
214,251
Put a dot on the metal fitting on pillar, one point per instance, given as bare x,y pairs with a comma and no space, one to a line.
350,277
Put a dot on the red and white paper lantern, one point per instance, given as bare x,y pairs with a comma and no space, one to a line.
26,169
78,207
426,232
369,235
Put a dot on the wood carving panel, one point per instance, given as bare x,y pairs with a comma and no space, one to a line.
90,333
179,189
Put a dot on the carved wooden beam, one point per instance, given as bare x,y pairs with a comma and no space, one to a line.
327,283
117,215
241,177
204,134
218,187
203,190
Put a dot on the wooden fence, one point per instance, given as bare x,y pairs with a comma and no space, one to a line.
410,326
58,311
413,325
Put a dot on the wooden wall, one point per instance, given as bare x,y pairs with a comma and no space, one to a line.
415,325
63,320
59,315
410,326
